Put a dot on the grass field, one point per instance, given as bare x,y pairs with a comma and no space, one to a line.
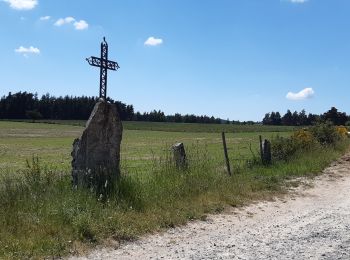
178,127
142,142
42,216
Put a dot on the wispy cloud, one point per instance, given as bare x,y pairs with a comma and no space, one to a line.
152,41
78,25
301,95
22,4
45,18
297,1
26,51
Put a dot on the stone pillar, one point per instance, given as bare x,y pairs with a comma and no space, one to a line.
266,149
179,155
96,154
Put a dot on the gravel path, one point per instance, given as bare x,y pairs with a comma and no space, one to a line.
312,223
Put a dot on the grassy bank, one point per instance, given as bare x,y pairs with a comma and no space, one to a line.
42,216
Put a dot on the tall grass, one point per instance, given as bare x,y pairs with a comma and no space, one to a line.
41,215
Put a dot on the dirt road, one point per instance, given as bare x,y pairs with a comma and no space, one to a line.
311,223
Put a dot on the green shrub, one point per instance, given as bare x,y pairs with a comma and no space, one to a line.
325,134
306,139
283,148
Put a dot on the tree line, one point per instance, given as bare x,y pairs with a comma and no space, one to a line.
23,105
159,116
303,119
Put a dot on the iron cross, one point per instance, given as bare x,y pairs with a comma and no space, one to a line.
104,65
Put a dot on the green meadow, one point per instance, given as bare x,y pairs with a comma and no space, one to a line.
43,217
143,142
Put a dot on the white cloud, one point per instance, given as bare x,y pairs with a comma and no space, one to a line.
302,95
81,25
63,21
45,18
22,4
151,41
298,1
78,25
26,51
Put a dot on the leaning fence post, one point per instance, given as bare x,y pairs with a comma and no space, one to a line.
226,154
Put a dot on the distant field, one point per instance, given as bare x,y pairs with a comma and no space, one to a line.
142,142
181,127
205,128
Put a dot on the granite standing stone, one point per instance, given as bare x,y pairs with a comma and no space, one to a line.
266,152
97,151
179,155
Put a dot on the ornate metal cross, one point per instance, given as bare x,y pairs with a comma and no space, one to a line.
104,65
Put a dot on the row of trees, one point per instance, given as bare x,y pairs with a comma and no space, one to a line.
28,105
159,116
301,118
22,105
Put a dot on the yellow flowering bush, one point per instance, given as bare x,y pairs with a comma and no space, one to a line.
303,135
303,138
285,147
342,131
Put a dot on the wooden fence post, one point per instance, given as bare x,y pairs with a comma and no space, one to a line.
226,154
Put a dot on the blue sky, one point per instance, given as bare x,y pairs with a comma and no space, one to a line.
235,59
